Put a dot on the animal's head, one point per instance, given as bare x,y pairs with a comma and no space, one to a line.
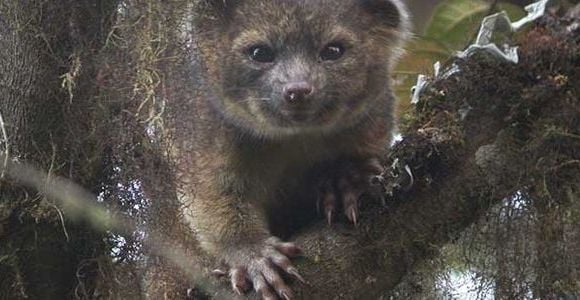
284,67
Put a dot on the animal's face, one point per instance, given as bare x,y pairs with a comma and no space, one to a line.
286,67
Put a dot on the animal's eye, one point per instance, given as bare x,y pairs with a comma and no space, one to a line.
332,51
261,53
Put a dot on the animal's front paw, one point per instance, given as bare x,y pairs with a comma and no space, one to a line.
344,184
260,265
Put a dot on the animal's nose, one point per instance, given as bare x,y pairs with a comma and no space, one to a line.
295,92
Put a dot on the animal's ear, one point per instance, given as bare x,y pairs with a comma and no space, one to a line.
390,12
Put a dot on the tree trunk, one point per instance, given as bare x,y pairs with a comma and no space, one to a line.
48,54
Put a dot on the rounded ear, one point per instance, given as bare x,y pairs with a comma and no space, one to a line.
391,12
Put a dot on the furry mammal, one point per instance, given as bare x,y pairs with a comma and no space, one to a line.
290,90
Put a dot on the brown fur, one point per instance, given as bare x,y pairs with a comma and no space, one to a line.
238,162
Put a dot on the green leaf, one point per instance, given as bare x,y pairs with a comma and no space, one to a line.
421,54
514,12
455,22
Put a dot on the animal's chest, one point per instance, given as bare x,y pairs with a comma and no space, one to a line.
282,183
276,170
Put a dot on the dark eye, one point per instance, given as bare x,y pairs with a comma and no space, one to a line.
261,53
332,51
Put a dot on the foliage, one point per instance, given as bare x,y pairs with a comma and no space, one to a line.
452,27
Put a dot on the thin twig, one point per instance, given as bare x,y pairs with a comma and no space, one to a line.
6,146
